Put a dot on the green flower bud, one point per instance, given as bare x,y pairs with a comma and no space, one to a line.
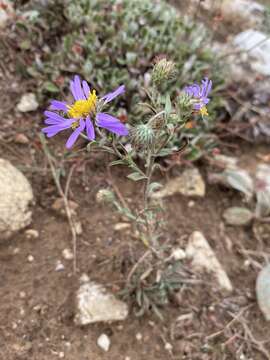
142,135
163,70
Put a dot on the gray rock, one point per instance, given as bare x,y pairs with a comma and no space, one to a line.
28,103
235,178
262,189
95,304
203,258
258,46
263,291
189,183
238,216
16,196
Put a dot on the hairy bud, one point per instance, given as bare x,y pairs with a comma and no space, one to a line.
142,135
163,70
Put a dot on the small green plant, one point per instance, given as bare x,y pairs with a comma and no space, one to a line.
86,116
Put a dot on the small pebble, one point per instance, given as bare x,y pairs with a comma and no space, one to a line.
139,336
67,254
32,234
191,203
28,102
61,355
16,251
178,254
21,139
104,342
22,295
84,278
22,312
78,228
121,226
30,258
168,347
59,266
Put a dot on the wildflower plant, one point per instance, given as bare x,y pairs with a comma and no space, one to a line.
147,141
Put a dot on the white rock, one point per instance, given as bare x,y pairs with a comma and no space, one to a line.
178,254
32,234
168,346
84,278
6,11
15,198
28,103
78,227
67,254
263,291
262,189
121,226
258,46
30,258
139,336
203,258
59,266
104,342
95,304
189,183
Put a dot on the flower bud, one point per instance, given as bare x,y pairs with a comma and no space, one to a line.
142,135
163,70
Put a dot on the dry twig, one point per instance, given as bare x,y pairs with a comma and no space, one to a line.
64,197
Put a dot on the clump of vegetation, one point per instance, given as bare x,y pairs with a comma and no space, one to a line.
110,42
87,116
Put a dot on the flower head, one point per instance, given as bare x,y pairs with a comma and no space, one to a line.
199,95
83,113
163,70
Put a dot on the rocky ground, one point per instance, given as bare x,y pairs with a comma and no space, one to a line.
215,243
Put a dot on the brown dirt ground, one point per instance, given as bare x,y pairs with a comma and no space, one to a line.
40,325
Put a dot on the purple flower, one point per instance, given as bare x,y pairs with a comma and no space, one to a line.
80,115
199,94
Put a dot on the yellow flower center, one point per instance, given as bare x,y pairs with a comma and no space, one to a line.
82,108
204,111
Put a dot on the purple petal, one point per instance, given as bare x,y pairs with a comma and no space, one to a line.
53,130
193,90
198,106
78,87
74,136
58,105
112,124
86,88
110,96
72,89
90,131
54,116
209,88
65,123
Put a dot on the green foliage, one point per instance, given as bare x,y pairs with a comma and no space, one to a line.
112,42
